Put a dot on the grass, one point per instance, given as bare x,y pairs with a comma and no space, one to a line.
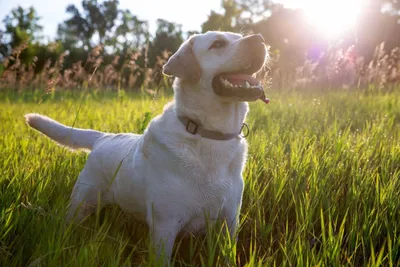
322,184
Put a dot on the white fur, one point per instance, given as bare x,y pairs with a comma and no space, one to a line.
168,177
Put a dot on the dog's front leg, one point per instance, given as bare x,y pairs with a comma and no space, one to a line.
230,216
231,220
163,235
163,230
231,210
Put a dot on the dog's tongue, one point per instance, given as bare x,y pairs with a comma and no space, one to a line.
240,79
264,99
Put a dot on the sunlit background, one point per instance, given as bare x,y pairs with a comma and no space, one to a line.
329,17
53,12
332,17
309,40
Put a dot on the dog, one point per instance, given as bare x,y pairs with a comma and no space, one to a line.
185,170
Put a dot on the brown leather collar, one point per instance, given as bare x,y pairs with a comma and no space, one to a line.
195,128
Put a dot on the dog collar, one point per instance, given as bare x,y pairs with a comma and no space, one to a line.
195,128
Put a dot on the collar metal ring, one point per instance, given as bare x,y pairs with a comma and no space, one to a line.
247,132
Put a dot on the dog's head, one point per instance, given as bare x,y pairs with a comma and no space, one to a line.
223,61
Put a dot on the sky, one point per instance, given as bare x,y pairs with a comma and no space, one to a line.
191,14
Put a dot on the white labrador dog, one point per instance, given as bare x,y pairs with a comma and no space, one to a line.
187,166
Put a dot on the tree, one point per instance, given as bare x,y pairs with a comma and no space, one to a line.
217,21
391,7
375,27
238,15
131,32
288,34
223,22
253,10
21,25
97,19
101,16
75,29
22,34
169,36
3,46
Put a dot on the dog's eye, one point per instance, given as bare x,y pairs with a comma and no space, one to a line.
218,44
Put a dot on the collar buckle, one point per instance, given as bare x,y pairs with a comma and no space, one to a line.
191,127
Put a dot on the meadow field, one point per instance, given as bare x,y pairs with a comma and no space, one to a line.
322,183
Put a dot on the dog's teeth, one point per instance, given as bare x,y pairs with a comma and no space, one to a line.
247,85
226,82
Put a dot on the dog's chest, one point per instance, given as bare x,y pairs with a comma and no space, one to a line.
213,159
208,172
212,174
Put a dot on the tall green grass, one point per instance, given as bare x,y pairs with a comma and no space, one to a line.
321,184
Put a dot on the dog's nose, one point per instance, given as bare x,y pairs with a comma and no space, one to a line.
255,39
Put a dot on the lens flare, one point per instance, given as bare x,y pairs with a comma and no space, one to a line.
332,18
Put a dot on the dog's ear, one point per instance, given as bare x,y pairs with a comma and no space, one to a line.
183,64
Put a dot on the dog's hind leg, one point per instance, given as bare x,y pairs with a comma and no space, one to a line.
86,196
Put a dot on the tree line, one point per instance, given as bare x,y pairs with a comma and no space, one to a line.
120,36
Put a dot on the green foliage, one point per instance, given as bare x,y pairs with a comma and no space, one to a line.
168,37
97,18
224,22
101,24
131,26
238,15
22,28
22,25
321,184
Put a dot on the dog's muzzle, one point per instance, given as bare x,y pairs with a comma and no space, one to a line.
240,85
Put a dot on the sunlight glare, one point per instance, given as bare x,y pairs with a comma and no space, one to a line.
332,17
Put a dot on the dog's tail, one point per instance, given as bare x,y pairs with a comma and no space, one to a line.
67,136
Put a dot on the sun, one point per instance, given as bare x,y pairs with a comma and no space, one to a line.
333,17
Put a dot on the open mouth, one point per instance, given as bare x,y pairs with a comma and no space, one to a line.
239,85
